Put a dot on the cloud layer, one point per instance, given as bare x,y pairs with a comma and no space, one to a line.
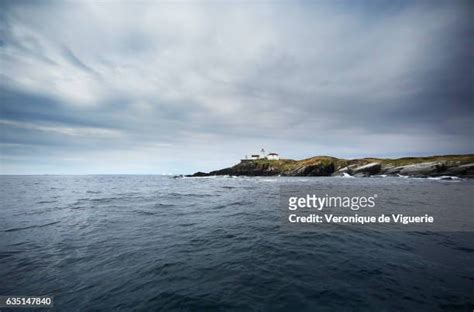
177,87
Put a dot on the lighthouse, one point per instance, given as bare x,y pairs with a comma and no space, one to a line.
262,155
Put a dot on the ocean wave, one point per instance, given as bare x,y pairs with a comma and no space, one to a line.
47,202
445,178
213,177
30,227
189,195
269,180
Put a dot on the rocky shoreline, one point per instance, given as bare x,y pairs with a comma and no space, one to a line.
433,166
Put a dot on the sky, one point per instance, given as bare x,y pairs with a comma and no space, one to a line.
119,87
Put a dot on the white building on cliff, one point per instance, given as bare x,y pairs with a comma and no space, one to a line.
262,155
273,156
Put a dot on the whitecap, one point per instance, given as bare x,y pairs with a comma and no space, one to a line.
444,178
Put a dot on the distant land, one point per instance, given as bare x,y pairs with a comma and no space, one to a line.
432,166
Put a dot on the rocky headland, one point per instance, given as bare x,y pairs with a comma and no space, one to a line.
433,166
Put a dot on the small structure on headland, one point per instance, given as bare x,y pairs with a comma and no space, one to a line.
273,156
262,155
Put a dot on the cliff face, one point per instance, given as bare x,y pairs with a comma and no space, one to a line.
450,165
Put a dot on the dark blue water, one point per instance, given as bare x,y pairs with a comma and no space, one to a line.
149,243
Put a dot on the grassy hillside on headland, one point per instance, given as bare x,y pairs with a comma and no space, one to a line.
445,165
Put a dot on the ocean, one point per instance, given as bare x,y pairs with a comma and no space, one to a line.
156,243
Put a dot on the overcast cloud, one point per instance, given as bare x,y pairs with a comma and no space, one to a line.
117,87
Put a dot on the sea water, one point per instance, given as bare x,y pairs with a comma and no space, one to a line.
215,244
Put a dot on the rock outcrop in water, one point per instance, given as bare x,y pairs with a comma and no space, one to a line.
434,166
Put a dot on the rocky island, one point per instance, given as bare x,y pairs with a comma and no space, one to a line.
433,166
